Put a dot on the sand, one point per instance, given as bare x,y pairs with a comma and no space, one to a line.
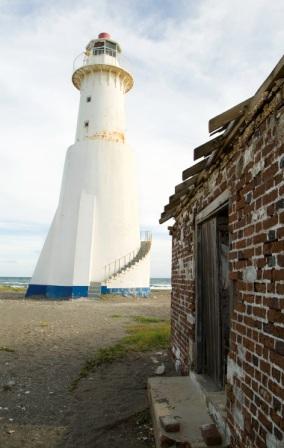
51,341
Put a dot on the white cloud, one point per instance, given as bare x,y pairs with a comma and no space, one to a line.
191,60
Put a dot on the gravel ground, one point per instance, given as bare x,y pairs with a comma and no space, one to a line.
50,343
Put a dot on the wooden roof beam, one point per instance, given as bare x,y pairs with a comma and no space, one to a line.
277,72
165,217
171,205
229,115
194,169
208,147
184,185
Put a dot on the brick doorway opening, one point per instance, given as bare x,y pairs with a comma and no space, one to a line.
214,298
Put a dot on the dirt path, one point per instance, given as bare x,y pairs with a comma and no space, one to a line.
51,342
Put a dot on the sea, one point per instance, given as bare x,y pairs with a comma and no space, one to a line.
20,282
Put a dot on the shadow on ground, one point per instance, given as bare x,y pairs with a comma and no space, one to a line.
51,343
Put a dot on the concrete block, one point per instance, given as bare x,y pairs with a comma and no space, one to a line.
169,423
180,398
211,435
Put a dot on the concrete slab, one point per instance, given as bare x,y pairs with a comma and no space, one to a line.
215,400
179,397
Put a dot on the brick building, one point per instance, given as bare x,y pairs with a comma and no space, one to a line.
228,265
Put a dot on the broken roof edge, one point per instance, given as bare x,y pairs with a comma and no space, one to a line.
250,108
223,119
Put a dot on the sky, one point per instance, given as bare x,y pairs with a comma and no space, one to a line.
191,60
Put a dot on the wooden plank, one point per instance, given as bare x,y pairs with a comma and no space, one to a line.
208,147
199,302
174,198
184,185
228,138
223,247
210,298
277,73
194,169
229,115
165,217
213,207
171,206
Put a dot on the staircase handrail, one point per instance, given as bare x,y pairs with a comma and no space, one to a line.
117,263
115,266
146,235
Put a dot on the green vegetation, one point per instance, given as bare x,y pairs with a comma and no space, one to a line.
6,349
141,337
147,336
43,323
139,319
8,288
143,417
147,320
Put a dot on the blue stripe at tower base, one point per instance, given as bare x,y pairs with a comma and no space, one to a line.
57,292
139,292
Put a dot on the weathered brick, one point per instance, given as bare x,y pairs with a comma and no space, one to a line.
279,347
211,435
256,223
280,204
275,316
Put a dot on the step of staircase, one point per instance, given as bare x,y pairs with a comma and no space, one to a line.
145,247
181,399
94,290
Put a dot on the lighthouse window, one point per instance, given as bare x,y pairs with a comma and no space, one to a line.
111,45
110,48
88,99
104,47
86,124
98,51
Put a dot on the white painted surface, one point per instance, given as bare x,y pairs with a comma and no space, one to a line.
138,276
96,221
105,111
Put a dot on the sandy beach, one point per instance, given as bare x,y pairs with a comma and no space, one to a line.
43,347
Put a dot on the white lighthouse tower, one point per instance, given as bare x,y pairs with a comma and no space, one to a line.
94,240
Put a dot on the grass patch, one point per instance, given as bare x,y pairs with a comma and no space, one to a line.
43,323
116,316
140,338
8,288
147,336
7,349
147,320
103,356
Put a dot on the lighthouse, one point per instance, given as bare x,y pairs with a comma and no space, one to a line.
94,244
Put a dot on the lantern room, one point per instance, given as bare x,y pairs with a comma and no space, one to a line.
103,45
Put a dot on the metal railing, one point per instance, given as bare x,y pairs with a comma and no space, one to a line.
117,265
108,51
82,59
145,235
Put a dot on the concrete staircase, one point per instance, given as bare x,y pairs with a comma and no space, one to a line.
94,290
122,265
144,249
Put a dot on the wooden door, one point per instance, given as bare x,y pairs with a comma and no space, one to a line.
210,306
213,298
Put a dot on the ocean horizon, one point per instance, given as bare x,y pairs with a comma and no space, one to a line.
20,282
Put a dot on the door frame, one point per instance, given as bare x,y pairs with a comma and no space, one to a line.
212,209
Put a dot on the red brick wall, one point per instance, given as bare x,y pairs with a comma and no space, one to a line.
253,173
